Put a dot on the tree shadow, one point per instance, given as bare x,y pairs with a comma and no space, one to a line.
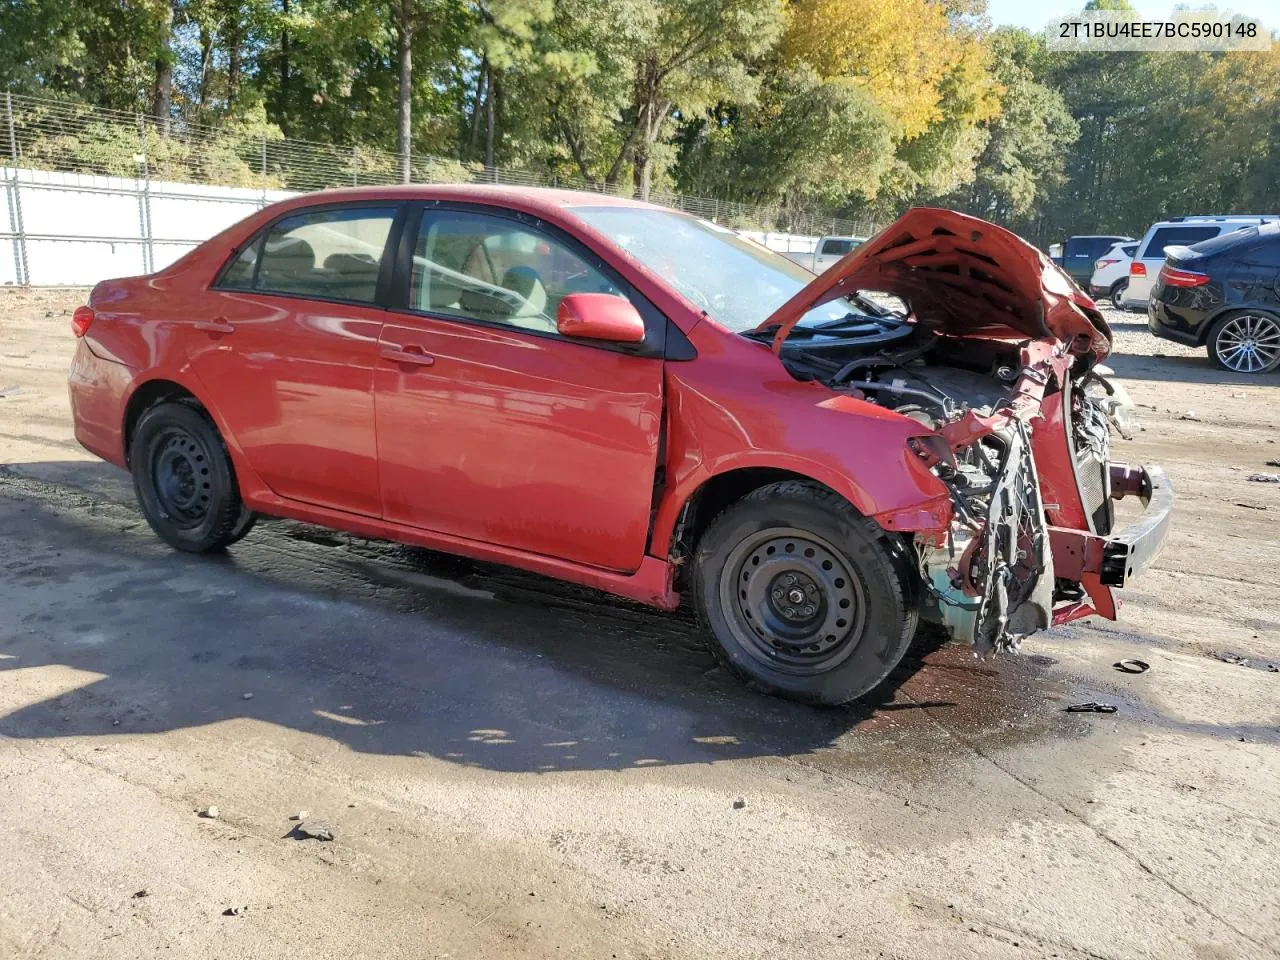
393,650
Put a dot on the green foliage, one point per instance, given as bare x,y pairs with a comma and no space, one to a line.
849,106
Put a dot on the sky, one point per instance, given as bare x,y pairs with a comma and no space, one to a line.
1034,14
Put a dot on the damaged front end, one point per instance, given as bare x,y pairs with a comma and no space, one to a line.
997,357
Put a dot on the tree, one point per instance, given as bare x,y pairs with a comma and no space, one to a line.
1024,159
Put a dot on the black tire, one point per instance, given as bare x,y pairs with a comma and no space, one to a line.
846,634
1116,293
184,480
1230,333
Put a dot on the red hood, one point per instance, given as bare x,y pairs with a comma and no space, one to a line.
962,276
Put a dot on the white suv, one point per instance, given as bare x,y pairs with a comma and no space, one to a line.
1111,272
1180,231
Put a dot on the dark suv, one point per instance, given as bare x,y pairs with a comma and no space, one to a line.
1223,294
1079,254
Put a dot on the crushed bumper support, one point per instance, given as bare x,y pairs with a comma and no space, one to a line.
1123,555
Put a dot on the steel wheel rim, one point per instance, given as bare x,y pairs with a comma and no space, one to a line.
1117,295
793,601
1249,343
180,478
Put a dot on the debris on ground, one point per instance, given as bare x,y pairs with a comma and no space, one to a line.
301,815
739,803
246,696
1251,506
1190,415
1130,665
209,813
1092,707
1273,463
312,830
9,391
141,893
1227,656
1264,478
234,911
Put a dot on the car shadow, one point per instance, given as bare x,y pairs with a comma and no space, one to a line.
394,650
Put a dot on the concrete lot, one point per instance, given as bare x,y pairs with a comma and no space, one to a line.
513,768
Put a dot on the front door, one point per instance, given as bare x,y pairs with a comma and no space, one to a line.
493,427
287,355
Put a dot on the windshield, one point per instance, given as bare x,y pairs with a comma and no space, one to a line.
737,282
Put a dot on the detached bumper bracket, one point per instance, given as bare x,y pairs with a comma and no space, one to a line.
1127,553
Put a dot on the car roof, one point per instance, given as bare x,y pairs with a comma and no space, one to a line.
531,199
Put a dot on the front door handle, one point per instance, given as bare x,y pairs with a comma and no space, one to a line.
214,326
408,354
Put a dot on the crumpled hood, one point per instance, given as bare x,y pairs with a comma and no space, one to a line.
962,276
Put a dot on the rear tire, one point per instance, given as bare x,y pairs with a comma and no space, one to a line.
184,481
802,597
1116,293
1247,341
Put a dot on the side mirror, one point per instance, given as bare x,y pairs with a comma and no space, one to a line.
600,316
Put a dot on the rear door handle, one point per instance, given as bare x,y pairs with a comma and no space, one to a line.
408,354
214,326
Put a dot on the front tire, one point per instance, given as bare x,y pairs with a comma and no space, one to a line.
1246,342
803,598
184,481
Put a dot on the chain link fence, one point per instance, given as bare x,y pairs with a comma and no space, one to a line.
160,159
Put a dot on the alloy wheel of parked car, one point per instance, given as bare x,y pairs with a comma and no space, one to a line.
1246,342
801,596
184,481
1116,293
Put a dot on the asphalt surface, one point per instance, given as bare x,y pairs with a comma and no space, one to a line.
513,767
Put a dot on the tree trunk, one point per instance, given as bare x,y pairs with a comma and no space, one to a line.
206,62
284,72
477,111
404,128
233,32
162,100
490,119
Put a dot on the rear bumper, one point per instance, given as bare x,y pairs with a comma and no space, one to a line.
1120,557
97,387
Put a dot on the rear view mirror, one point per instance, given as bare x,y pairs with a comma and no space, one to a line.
600,316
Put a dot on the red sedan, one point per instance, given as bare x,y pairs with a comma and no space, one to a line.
627,397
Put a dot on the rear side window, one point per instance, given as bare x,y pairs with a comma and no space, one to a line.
332,254
1129,249
1226,241
837,248
1176,236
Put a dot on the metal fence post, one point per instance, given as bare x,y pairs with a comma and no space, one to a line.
263,172
14,188
355,166
144,199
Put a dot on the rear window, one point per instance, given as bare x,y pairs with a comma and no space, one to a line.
1176,236
1226,241
1090,247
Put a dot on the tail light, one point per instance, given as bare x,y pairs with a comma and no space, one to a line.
1104,263
1173,277
1137,269
80,320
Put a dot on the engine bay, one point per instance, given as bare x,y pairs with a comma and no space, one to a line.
991,582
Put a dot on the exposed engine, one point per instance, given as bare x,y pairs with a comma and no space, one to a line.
992,582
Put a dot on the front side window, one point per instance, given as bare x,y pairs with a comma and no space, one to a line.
489,268
836,248
332,254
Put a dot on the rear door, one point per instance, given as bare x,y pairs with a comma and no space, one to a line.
491,425
287,354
